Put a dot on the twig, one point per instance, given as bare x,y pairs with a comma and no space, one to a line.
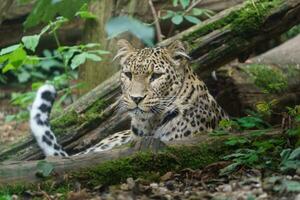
192,6
156,21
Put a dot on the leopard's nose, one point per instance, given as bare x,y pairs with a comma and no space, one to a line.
137,99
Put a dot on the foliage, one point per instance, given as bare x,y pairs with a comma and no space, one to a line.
45,11
269,79
259,154
265,107
280,184
188,12
121,24
290,160
262,154
254,120
293,32
18,59
49,66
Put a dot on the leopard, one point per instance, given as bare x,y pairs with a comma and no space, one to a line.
160,92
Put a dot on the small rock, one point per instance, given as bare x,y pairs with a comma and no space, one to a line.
297,197
124,187
225,188
166,176
168,197
170,185
186,193
162,190
154,185
130,183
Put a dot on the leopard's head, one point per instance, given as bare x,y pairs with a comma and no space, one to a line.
150,77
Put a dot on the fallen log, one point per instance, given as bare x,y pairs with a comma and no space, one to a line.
221,39
236,89
147,155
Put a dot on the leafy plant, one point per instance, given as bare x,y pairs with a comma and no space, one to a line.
259,154
290,160
282,184
188,12
265,107
45,11
269,79
5,197
19,60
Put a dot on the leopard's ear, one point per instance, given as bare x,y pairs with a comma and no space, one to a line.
177,50
125,50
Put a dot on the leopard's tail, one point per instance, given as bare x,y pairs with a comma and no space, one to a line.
39,121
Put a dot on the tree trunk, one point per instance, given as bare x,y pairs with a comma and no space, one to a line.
217,41
92,73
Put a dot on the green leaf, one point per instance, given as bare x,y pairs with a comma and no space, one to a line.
86,15
36,85
177,19
285,155
10,118
229,169
23,77
118,25
185,3
169,14
292,186
9,49
175,3
192,19
197,11
31,42
78,60
13,59
45,11
93,57
92,45
295,155
100,52
44,168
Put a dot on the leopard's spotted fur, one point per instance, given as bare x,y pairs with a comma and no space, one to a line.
163,96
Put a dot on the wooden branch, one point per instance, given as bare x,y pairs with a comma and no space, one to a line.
203,145
156,21
217,41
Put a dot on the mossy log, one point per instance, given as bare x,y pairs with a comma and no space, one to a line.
226,36
237,90
148,155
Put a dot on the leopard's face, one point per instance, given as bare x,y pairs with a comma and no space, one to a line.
150,80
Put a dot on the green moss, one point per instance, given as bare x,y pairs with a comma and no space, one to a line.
149,165
269,79
244,22
49,186
64,121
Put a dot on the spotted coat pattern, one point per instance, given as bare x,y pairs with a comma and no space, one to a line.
161,93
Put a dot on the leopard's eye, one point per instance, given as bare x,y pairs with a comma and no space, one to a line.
155,76
128,74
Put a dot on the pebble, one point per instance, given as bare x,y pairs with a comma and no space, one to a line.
170,185
154,185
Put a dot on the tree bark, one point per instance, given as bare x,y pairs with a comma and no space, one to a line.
219,40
